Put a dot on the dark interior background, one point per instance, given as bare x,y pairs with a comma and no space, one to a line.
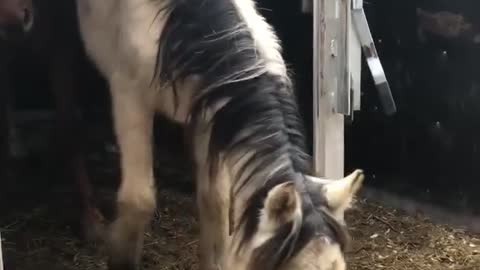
429,150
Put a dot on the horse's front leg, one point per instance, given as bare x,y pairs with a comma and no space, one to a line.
133,121
213,205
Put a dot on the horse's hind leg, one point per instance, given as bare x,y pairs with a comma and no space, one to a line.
133,120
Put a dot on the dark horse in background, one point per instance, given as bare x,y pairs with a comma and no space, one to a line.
16,18
42,37
16,21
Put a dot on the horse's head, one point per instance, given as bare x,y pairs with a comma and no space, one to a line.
16,18
295,233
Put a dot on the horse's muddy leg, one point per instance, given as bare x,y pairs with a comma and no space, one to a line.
133,121
213,204
69,141
213,223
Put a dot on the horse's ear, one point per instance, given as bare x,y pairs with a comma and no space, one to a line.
339,193
282,204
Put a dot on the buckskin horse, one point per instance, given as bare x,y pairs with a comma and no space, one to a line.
216,67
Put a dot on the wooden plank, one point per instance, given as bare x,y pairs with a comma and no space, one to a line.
328,124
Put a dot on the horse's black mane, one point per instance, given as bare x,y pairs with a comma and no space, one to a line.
208,38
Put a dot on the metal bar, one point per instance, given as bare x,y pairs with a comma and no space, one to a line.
354,64
357,4
318,134
1,253
373,61
339,34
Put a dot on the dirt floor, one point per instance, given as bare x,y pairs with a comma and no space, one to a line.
382,239
35,236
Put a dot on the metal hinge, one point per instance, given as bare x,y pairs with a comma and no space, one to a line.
368,47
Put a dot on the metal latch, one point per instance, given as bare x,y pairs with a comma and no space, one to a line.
368,47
